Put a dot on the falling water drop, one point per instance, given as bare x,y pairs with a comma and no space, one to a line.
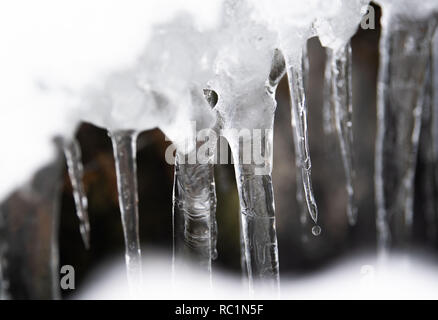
316,230
124,148
73,156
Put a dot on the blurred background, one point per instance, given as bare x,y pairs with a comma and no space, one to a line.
301,253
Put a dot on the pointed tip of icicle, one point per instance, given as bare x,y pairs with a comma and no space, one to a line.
352,215
86,243
313,211
85,235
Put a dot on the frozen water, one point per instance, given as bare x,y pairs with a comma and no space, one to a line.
129,68
405,41
247,71
76,173
336,28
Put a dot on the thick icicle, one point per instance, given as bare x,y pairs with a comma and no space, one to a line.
73,156
404,50
299,125
194,210
258,220
124,148
341,66
254,184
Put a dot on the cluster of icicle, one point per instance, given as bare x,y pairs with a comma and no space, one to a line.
407,107
225,78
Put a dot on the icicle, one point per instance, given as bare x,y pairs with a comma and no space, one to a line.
301,205
194,210
404,50
306,66
76,172
427,163
434,124
254,185
258,221
299,125
328,108
3,281
342,101
124,148
243,264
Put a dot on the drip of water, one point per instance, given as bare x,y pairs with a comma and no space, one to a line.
341,89
194,208
401,92
316,230
73,156
124,147
300,133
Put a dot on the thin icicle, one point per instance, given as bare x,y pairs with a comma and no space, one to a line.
404,49
328,108
124,148
300,133
434,124
76,172
426,186
306,66
243,264
3,245
301,204
194,210
341,85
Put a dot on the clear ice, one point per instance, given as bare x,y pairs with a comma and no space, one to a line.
76,173
341,99
124,147
246,89
239,53
405,41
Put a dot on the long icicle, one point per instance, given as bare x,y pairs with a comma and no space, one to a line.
256,195
194,211
434,121
301,204
401,87
300,133
73,156
341,83
124,148
427,163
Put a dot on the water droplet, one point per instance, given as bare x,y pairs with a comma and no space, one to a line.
316,230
